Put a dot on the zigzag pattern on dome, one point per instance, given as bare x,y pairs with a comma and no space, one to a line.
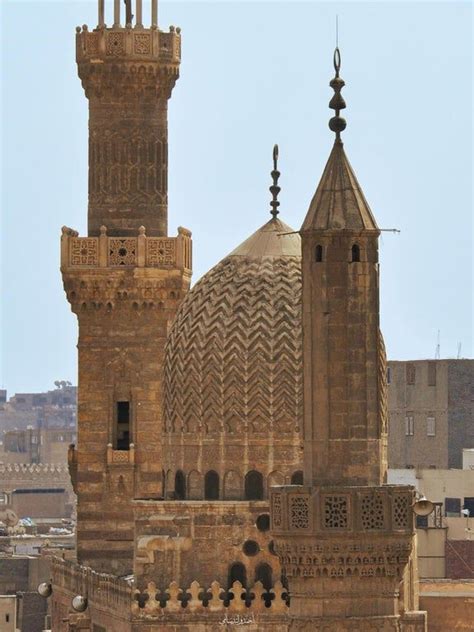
233,360
234,354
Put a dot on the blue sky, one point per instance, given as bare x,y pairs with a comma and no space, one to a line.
253,73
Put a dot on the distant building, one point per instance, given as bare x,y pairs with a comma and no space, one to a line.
430,412
445,537
38,427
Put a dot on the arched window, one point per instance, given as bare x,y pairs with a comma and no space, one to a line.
297,478
253,486
179,485
355,253
318,253
263,573
211,485
237,573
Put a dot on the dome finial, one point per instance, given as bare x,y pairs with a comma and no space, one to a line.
275,189
337,123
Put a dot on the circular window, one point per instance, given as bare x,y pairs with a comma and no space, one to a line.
271,547
251,548
263,522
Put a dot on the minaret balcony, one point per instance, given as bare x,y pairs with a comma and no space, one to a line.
330,511
125,252
128,44
120,457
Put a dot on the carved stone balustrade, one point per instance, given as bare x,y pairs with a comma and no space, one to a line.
127,252
334,532
132,44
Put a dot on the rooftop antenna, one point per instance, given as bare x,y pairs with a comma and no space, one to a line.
438,348
459,350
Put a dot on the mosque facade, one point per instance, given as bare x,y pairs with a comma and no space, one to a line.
230,466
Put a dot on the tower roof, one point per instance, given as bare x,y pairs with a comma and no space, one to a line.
339,202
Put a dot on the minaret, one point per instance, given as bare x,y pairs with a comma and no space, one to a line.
345,412
128,73
124,281
344,539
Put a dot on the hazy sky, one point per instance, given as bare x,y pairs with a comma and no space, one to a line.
253,73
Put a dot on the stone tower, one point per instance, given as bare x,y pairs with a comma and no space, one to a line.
345,540
124,281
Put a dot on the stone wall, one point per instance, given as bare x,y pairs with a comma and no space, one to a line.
460,559
450,604
460,410
184,541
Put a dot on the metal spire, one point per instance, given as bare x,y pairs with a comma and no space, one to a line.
337,123
275,189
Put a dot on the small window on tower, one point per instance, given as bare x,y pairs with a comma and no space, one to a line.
318,253
355,253
122,438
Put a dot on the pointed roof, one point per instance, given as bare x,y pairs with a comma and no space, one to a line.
273,239
339,203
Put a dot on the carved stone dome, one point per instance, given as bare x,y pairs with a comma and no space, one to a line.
233,373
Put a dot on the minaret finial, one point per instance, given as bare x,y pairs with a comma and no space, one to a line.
275,189
337,123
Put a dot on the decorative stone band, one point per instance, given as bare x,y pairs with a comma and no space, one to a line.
196,598
117,252
118,595
342,510
124,44
337,532
120,457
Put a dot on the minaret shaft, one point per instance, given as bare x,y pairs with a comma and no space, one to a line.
343,403
128,75
124,281
128,163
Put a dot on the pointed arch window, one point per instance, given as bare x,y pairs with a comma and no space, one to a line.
237,573
180,485
253,486
211,485
263,573
297,478
318,253
355,253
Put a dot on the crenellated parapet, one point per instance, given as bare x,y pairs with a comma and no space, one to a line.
119,596
152,601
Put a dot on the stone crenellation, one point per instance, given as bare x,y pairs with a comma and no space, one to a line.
216,598
118,594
